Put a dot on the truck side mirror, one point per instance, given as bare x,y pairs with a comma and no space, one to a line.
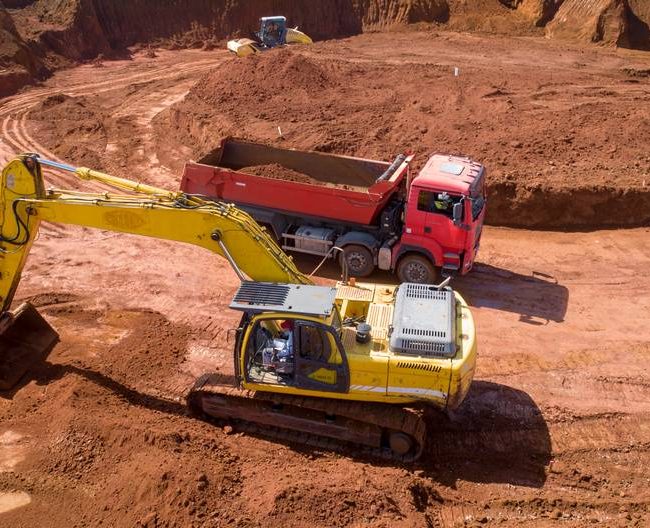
458,213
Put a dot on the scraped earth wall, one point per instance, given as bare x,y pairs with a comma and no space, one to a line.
58,32
89,27
18,65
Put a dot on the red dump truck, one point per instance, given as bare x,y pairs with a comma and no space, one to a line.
374,211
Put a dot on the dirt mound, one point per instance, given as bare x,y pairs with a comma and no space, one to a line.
263,76
498,116
76,126
603,21
489,16
18,64
278,172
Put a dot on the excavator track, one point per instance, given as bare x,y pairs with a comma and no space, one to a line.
378,430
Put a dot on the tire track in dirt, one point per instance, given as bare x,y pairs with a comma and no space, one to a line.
16,110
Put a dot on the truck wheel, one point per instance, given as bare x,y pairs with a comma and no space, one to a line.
416,268
359,259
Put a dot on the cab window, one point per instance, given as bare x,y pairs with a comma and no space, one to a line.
438,202
294,352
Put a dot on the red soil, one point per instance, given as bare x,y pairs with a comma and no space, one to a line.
555,429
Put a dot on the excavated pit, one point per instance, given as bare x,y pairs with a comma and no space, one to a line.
40,36
554,430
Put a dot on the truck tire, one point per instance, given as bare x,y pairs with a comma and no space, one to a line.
416,268
359,260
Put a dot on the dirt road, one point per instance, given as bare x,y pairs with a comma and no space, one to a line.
556,427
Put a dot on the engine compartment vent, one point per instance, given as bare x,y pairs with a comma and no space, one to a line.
418,366
424,321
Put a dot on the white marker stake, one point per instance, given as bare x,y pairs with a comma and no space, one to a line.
279,131
456,71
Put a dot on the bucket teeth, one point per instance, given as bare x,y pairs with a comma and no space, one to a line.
25,339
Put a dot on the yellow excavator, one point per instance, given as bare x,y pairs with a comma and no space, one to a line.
327,366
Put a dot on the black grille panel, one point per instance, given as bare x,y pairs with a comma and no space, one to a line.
419,366
259,294
424,291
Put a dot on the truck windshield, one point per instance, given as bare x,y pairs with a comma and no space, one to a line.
478,196
477,206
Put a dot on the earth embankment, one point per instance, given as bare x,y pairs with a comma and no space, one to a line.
564,148
61,32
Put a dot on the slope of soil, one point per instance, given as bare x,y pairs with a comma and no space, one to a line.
564,141
555,430
58,33
593,21
18,65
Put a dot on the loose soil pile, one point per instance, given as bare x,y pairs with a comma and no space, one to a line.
276,171
564,142
77,127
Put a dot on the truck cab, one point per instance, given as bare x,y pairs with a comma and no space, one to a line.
443,219
367,213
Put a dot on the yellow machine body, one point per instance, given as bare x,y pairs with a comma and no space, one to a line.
346,367
375,372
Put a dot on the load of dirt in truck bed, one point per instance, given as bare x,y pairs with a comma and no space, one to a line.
276,171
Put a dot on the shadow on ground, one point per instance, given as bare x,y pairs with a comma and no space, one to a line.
537,298
499,434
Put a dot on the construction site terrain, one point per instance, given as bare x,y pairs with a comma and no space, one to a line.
556,428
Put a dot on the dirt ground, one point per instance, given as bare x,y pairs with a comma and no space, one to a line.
556,429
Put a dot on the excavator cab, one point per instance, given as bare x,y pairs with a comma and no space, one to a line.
290,336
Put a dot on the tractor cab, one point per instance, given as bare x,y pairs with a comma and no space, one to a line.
273,31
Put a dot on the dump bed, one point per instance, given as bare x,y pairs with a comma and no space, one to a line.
303,183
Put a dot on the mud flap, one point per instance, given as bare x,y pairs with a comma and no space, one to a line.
25,339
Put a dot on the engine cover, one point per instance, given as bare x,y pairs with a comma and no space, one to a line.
424,321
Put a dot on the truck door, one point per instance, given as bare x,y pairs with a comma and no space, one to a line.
438,224
320,362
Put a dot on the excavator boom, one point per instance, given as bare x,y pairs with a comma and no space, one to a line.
221,228
334,363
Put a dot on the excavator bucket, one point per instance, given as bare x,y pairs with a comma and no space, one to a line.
25,339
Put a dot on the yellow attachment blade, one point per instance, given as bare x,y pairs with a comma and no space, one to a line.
297,37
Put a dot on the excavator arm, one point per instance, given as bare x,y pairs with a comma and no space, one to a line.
148,211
